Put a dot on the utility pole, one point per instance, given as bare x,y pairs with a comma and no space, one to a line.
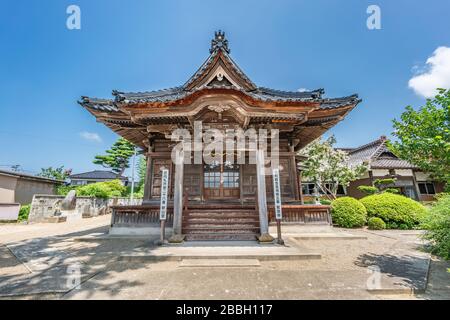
133,168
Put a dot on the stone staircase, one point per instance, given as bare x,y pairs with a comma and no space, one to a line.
213,224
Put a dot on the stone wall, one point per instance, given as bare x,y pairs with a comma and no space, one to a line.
45,208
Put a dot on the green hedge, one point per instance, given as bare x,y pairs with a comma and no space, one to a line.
103,190
368,189
24,212
398,212
348,212
376,223
437,225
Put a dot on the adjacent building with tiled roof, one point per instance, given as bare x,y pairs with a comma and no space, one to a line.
410,180
18,187
95,176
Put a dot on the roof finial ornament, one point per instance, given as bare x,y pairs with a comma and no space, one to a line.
219,42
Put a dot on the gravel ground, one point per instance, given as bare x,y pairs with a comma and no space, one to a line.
40,261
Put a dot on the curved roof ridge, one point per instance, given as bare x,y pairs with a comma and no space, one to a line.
317,92
367,145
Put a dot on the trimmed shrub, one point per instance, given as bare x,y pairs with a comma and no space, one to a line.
398,212
391,190
103,190
64,190
437,226
376,223
348,212
325,202
368,189
24,212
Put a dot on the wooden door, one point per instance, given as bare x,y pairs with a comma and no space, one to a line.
221,181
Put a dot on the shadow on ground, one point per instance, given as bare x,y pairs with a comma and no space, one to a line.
58,264
407,270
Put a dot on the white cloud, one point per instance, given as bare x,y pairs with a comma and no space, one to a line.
91,136
303,90
437,74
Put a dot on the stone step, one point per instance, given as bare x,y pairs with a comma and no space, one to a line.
221,207
214,230
220,215
221,236
221,221
220,210
221,226
224,224
220,263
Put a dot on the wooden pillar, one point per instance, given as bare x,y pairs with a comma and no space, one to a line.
262,201
241,186
178,198
294,173
300,178
416,186
202,182
148,180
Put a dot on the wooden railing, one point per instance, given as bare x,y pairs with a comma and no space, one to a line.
148,215
302,214
145,215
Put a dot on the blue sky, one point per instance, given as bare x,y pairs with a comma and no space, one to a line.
145,45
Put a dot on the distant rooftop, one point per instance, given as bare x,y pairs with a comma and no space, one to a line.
98,175
29,176
377,154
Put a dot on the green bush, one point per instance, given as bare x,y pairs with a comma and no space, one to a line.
348,212
63,190
437,226
24,212
325,202
368,189
398,212
392,190
103,190
384,182
376,223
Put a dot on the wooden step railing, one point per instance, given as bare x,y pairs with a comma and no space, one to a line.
302,214
145,215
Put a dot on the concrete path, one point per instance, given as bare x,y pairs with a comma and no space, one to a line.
212,250
49,261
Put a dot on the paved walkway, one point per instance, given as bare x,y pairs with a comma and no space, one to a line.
49,261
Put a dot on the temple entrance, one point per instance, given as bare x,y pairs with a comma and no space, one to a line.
221,181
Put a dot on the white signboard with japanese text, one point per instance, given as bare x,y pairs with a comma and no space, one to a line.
277,193
164,191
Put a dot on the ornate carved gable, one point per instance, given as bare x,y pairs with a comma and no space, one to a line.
219,69
221,95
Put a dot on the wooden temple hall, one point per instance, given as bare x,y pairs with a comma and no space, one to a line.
223,200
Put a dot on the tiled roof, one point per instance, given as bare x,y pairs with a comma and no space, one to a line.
29,176
99,104
219,46
263,94
97,174
391,163
339,102
377,154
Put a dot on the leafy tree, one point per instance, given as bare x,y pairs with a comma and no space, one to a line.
118,157
424,136
437,224
142,171
380,186
326,165
55,173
